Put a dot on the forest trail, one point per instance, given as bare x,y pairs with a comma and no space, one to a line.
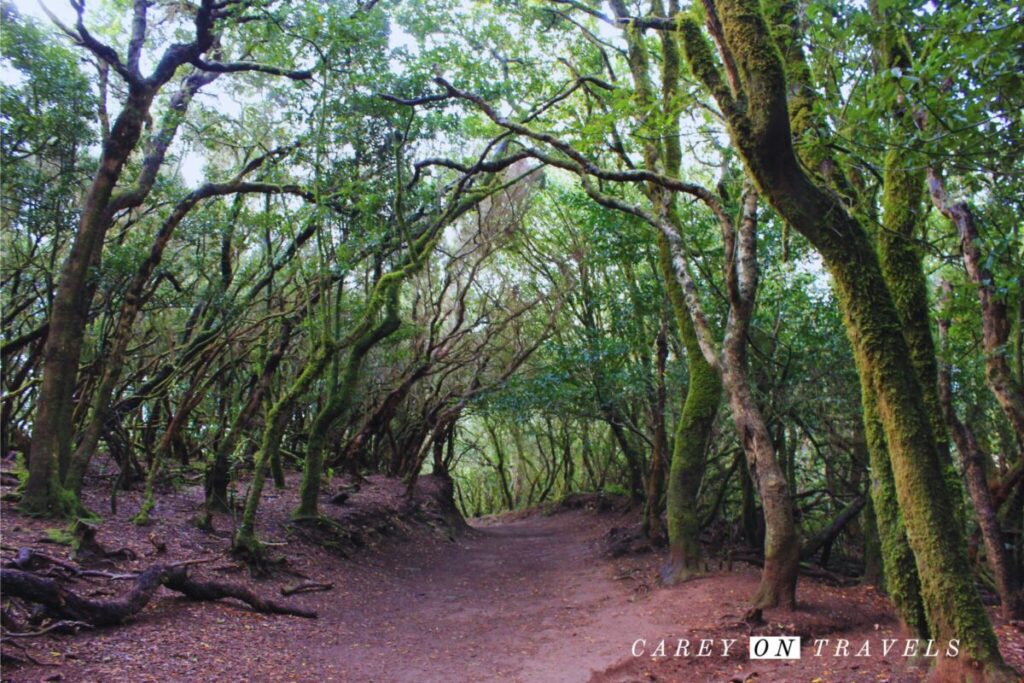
525,597
523,600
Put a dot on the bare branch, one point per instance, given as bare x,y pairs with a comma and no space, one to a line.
83,38
138,37
236,67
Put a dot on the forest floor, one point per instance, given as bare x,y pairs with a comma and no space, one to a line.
523,597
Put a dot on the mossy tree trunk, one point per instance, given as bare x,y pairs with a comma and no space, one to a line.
703,391
900,265
692,434
273,431
192,398
51,430
217,470
338,405
899,255
898,565
758,122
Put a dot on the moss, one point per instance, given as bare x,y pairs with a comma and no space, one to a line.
898,566
952,605
900,260
270,441
245,545
704,390
61,536
277,469
703,396
55,501
700,58
141,518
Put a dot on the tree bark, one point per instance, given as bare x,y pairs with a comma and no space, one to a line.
51,428
995,323
973,460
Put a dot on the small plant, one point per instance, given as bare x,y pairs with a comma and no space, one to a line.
20,470
614,490
62,536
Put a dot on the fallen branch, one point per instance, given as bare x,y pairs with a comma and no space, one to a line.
825,537
65,604
31,560
179,580
308,587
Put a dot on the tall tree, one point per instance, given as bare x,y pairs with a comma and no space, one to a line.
101,204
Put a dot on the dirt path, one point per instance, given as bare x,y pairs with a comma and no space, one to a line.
528,600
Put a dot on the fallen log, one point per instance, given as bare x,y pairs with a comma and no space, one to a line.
63,603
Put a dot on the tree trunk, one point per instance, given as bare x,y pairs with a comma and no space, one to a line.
762,134
338,405
995,323
781,541
973,459
70,605
874,574
273,430
51,428
693,432
652,526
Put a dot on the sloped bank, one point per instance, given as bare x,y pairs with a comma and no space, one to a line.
363,513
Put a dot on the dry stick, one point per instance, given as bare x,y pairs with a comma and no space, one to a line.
63,624
308,587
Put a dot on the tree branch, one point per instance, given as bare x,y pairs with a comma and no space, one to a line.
236,67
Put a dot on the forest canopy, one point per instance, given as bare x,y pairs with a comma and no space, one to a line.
756,266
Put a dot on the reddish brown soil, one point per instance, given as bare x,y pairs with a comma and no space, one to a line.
526,598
